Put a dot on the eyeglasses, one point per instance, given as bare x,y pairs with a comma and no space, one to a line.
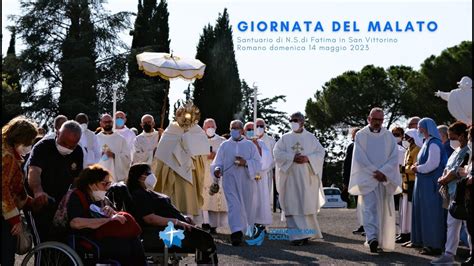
294,120
261,126
249,129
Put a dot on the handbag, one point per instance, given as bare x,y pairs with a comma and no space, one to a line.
24,240
457,207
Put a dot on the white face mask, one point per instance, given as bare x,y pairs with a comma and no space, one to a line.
210,132
295,126
99,194
259,131
454,144
83,127
150,181
406,144
23,150
63,150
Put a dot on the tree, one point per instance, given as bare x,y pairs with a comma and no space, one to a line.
11,90
265,109
441,73
218,94
147,94
389,89
48,29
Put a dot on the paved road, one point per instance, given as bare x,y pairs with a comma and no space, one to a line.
339,247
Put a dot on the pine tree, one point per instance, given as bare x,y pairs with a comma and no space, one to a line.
218,94
147,95
11,90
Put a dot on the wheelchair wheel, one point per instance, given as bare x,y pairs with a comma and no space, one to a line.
51,254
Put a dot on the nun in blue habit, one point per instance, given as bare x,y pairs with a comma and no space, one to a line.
428,216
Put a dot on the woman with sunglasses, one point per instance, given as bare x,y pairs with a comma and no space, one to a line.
88,209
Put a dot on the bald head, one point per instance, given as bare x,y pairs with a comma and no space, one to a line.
69,134
209,123
413,122
375,118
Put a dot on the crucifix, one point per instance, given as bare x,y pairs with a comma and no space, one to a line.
297,148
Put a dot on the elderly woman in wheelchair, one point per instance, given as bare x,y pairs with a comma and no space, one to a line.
89,215
154,211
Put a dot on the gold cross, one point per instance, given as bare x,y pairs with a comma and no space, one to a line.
297,148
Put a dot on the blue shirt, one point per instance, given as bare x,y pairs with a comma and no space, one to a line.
457,159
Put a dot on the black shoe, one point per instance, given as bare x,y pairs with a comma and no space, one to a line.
358,230
213,231
260,229
467,262
374,246
430,251
206,227
403,238
298,242
362,234
236,238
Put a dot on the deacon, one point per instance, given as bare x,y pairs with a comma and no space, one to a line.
145,144
299,160
115,153
260,129
88,142
375,177
181,157
238,163
214,209
123,130
263,211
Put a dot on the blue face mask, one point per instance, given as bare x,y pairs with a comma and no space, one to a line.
420,135
119,122
249,134
235,134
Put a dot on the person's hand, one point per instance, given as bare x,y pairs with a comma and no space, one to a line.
462,171
41,198
304,159
185,226
189,220
108,211
379,176
118,217
217,172
160,131
109,154
16,229
36,205
414,169
438,93
240,161
211,155
442,181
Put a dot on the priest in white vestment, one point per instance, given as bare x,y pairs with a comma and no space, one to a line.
238,163
115,153
299,160
214,209
263,213
88,142
144,145
270,143
123,130
375,177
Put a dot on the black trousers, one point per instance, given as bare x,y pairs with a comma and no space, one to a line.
8,244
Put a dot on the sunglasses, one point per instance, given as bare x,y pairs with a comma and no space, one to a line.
261,126
294,120
249,129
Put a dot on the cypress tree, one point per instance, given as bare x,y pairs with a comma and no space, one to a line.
11,89
218,95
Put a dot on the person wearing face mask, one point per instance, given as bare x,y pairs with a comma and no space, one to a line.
375,177
264,214
123,130
443,132
88,142
214,208
154,211
52,166
299,160
115,152
408,183
428,216
238,162
144,145
17,137
88,209
457,134
270,142
402,146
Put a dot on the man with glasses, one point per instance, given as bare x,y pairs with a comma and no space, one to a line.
52,166
375,177
238,163
299,159
115,152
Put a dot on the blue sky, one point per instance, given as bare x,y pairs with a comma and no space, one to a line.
299,74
